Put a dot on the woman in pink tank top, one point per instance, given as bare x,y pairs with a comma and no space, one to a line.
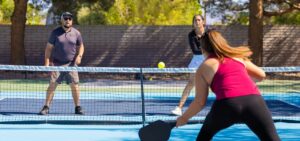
231,76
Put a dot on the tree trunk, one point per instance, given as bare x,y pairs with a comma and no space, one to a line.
18,20
256,30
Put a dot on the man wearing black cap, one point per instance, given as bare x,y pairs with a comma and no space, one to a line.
64,48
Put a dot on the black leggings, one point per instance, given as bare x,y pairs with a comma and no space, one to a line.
251,110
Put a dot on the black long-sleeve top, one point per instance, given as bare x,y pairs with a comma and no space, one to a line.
194,42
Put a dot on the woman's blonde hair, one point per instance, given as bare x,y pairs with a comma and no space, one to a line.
214,43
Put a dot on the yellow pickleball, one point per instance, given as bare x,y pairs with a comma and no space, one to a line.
161,65
150,78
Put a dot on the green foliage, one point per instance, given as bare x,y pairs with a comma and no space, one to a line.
241,18
84,11
33,15
237,11
290,19
92,15
6,10
140,12
110,12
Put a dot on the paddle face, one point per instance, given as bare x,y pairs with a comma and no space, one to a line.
156,131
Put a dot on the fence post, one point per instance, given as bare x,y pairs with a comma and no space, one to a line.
143,97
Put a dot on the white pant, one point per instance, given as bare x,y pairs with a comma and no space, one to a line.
196,61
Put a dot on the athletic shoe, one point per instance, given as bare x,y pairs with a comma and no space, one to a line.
44,111
78,110
177,111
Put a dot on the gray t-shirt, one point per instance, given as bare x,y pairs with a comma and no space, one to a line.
65,44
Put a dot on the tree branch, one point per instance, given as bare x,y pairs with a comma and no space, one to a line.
228,5
293,5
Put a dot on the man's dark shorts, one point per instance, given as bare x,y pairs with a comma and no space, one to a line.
69,77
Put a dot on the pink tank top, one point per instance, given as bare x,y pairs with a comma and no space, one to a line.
232,80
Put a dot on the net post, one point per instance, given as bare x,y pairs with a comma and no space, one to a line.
143,97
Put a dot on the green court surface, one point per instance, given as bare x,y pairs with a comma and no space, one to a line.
154,86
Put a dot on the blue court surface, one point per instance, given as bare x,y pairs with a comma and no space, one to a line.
12,104
18,124
117,116
50,132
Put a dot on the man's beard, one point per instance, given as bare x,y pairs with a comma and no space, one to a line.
66,26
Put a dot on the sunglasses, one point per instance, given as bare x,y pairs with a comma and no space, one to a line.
68,18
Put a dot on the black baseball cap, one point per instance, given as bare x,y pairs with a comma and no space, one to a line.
66,14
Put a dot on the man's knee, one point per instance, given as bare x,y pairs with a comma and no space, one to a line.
74,86
73,78
52,86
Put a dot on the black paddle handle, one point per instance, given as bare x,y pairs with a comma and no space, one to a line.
172,124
